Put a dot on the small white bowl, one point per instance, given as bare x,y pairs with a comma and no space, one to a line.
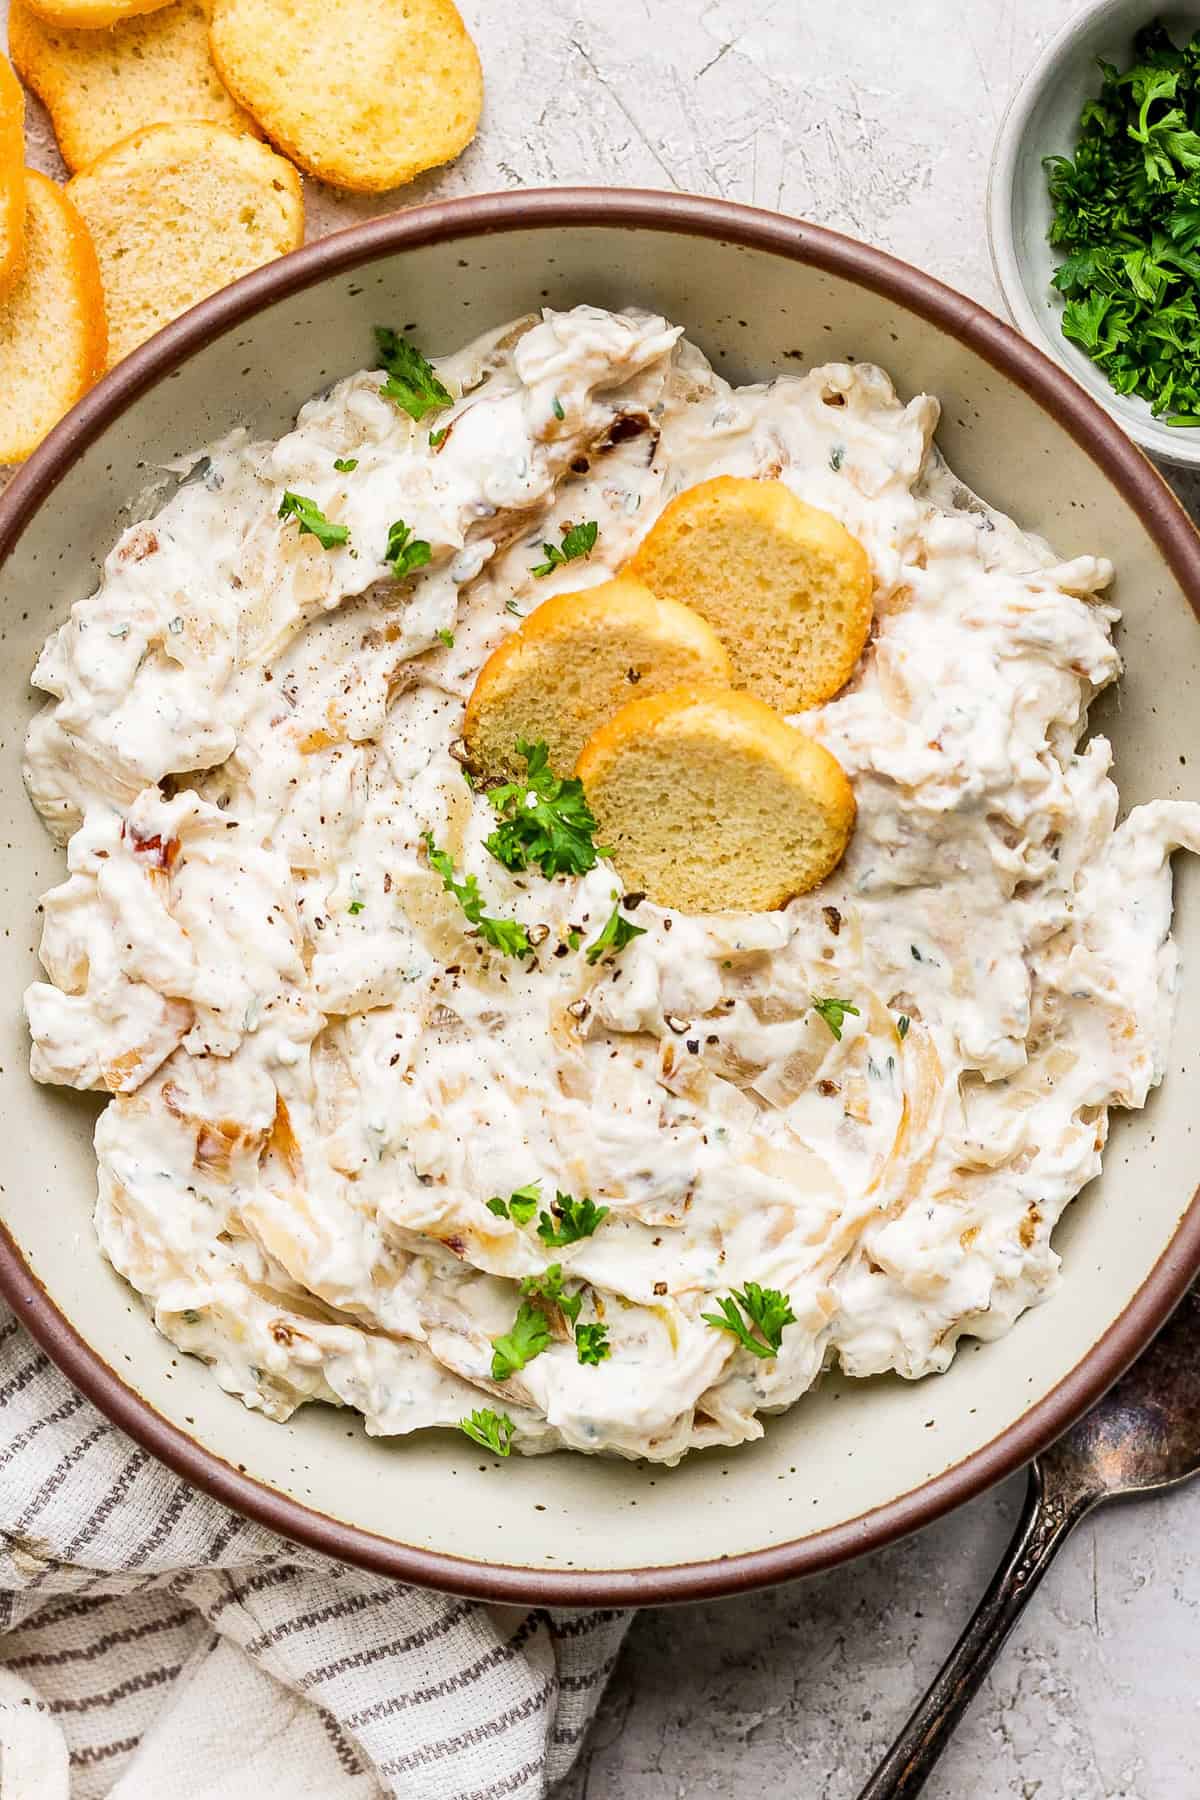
1041,120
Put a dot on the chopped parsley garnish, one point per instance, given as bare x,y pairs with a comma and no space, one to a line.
577,540
557,407
569,1220
507,935
618,932
1127,223
549,1287
542,820
902,1026
412,382
447,637
765,1307
837,456
405,552
355,907
520,1206
530,1335
493,1431
834,1013
438,438
510,606
312,520
345,465
591,1343
574,939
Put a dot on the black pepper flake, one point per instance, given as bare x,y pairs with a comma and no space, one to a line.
827,1088
712,1038
667,924
660,1287
631,902
693,1045
833,918
633,676
560,950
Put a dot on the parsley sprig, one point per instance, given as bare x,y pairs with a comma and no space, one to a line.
591,1343
591,1340
577,540
765,1308
549,1287
529,1336
618,932
412,382
506,935
520,1205
1127,222
491,1430
312,520
569,1220
834,1013
405,552
542,820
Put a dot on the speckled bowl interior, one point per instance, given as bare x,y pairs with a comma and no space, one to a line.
854,1463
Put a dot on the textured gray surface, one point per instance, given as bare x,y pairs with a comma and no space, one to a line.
875,118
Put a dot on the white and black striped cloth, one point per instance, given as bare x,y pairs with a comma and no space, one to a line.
154,1646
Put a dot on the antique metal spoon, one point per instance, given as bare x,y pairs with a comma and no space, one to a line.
1144,1435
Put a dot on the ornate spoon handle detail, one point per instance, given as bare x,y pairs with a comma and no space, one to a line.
1053,1507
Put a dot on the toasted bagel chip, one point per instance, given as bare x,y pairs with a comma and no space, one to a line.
574,662
398,88
12,177
178,211
101,86
93,15
52,335
713,803
784,585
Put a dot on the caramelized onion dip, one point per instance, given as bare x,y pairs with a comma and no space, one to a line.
320,1070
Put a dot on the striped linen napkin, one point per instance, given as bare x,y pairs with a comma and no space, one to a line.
155,1646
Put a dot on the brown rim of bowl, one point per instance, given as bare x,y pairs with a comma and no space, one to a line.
1124,465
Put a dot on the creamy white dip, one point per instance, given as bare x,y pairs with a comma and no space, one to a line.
320,1074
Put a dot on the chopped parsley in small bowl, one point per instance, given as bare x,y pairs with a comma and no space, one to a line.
1094,215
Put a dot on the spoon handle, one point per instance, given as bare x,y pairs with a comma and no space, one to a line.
1046,1521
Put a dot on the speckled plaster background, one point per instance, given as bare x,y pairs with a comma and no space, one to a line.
876,117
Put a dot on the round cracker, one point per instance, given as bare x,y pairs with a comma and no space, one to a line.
52,330
785,586
397,89
574,662
711,802
178,211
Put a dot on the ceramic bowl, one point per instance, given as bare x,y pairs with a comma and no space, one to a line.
854,1464
1041,121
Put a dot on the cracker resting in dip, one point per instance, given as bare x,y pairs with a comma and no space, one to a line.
321,1072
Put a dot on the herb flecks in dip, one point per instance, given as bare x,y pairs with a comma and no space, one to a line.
589,1173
